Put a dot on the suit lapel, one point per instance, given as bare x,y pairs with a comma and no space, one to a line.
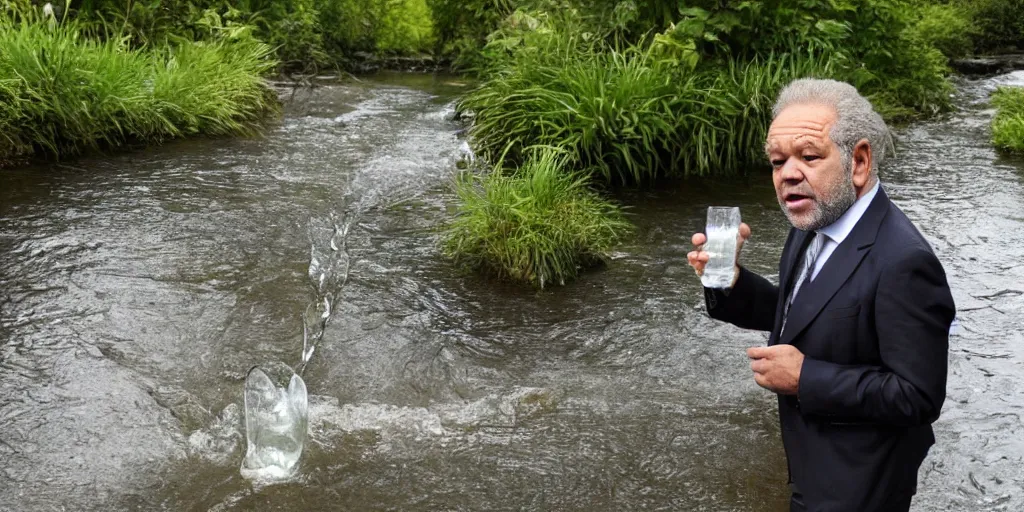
840,265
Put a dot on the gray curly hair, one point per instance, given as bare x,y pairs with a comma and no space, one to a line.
856,119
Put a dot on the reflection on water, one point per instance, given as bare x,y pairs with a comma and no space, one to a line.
136,291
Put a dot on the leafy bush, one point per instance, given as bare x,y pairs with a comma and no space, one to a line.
406,27
948,28
1000,24
541,225
628,116
61,93
462,26
1008,125
395,26
305,34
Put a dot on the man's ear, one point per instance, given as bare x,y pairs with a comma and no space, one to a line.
861,165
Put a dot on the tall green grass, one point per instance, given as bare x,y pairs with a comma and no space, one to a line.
1008,125
306,35
541,225
62,93
628,118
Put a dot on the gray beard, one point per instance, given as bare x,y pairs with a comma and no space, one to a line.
843,196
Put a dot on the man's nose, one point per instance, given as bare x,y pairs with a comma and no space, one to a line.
790,171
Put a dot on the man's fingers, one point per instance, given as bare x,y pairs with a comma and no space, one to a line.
697,260
759,366
744,234
697,257
759,352
761,380
698,239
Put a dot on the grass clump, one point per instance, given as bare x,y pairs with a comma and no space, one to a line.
1008,125
306,35
62,93
634,115
541,225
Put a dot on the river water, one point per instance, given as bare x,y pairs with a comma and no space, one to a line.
137,289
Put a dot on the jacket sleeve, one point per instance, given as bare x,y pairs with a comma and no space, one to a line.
750,304
913,312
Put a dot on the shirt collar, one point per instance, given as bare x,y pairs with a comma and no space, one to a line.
840,229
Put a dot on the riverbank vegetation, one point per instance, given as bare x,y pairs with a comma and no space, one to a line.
62,92
1008,125
539,224
307,36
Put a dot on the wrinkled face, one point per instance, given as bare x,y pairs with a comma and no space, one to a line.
813,186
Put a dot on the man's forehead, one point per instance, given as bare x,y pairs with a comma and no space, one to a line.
798,139
798,127
799,131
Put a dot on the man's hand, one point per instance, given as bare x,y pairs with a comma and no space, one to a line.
777,368
698,258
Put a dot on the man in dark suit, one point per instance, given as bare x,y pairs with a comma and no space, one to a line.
860,321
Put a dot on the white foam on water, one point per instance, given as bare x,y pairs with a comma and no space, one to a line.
328,419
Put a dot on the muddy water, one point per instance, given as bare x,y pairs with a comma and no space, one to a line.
136,290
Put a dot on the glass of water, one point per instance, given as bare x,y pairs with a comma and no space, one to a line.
722,231
276,419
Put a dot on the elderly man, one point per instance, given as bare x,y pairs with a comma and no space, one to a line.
860,320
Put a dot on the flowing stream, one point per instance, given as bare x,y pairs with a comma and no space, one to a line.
137,289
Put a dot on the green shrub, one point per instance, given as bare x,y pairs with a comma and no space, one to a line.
462,26
306,35
293,28
62,93
541,225
393,26
406,28
1008,125
999,24
629,116
948,28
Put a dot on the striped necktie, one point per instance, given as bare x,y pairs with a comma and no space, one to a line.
806,270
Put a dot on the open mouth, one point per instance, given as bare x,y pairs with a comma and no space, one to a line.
796,200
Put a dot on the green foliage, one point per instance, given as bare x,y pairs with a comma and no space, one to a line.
406,27
999,24
62,93
305,34
292,27
948,28
694,98
462,26
395,26
1008,125
541,225
629,116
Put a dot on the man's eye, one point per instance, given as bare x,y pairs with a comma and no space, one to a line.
811,158
778,162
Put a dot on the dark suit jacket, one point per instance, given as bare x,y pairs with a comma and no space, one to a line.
873,327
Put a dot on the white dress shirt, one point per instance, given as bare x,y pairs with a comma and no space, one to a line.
836,232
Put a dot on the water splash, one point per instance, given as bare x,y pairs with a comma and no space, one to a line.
328,272
276,422
276,403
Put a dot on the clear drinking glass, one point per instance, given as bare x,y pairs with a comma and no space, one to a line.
276,419
722,231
